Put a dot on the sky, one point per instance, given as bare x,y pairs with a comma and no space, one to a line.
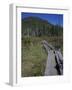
52,18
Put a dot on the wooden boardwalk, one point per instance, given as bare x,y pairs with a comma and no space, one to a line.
50,64
54,63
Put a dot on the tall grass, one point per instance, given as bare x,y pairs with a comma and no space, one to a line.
33,55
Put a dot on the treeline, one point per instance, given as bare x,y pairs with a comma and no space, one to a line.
34,26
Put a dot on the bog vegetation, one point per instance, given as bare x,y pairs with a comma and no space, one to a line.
34,30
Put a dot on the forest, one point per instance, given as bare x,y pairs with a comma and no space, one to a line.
34,26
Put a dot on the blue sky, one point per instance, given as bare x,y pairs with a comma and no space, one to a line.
52,18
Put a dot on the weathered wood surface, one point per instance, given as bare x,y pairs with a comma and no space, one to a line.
50,64
54,64
59,61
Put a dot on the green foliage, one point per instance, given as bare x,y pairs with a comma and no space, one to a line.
34,26
33,60
26,41
34,30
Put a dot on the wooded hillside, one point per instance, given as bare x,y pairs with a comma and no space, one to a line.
35,26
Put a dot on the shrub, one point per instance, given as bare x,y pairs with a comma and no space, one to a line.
27,41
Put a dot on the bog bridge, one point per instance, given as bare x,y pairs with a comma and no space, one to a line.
54,63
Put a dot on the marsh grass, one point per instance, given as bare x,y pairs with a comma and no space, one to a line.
34,56
33,60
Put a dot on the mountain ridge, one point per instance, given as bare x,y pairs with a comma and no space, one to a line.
36,26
